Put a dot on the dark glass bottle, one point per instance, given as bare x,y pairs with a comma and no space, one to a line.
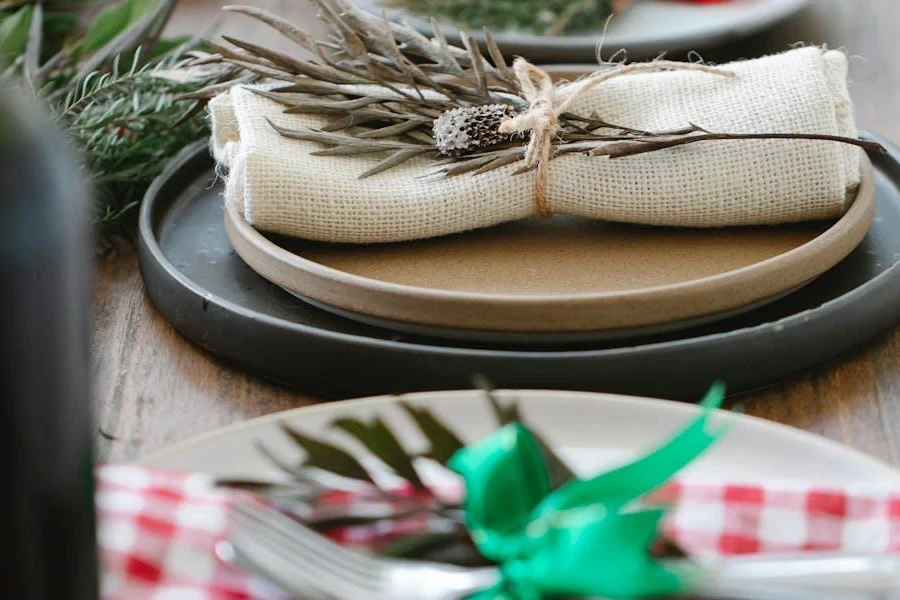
47,533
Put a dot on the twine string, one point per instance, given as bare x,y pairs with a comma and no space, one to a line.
545,107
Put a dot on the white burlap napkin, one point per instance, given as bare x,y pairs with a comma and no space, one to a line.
280,188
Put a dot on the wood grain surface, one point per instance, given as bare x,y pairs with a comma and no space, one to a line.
153,387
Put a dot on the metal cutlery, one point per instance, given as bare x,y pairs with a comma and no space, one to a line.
309,566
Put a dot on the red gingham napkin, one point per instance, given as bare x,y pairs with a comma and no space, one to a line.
157,530
157,533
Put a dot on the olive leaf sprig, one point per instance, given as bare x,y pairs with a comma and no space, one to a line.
382,87
309,481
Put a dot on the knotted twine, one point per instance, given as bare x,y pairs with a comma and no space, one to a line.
542,116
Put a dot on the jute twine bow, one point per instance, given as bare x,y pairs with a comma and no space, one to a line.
542,116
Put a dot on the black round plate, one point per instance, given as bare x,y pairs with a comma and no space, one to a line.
206,291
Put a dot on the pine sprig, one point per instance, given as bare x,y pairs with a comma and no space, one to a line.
113,84
129,123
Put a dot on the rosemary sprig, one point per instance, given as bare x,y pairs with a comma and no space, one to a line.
128,124
114,84
382,85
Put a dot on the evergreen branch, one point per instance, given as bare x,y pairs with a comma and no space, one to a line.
129,123
113,85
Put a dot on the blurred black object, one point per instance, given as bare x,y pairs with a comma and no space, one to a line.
47,535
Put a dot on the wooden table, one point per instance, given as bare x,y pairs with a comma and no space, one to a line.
153,387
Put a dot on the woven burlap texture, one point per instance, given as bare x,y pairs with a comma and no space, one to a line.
279,187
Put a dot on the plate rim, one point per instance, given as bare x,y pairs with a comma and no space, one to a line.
687,409
600,311
534,338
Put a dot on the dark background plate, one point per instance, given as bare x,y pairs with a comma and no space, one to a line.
204,289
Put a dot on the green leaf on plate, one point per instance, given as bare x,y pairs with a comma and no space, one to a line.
14,33
418,545
378,439
349,518
113,20
560,473
444,443
328,457
296,472
507,413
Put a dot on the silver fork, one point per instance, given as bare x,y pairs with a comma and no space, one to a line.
311,567
304,563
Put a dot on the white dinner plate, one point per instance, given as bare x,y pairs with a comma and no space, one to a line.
645,29
591,431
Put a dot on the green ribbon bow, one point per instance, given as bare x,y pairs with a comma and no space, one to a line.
588,537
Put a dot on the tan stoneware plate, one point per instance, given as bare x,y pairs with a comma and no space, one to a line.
561,275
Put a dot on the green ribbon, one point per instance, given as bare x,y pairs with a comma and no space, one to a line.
587,538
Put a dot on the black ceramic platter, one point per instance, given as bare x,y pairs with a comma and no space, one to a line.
204,289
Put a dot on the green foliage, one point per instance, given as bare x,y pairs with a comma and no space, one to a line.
449,540
129,124
443,441
382,442
14,33
328,456
506,414
550,17
113,20
114,85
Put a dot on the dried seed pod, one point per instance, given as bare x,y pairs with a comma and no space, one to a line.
468,129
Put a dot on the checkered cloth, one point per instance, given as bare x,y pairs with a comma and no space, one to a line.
158,530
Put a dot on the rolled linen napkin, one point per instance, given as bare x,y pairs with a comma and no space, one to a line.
279,187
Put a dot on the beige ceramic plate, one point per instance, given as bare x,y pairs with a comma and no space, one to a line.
592,431
567,275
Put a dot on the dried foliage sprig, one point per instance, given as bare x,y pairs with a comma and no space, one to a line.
386,88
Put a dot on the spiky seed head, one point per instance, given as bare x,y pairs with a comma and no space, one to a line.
467,129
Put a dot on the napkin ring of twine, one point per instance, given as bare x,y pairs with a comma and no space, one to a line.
545,109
